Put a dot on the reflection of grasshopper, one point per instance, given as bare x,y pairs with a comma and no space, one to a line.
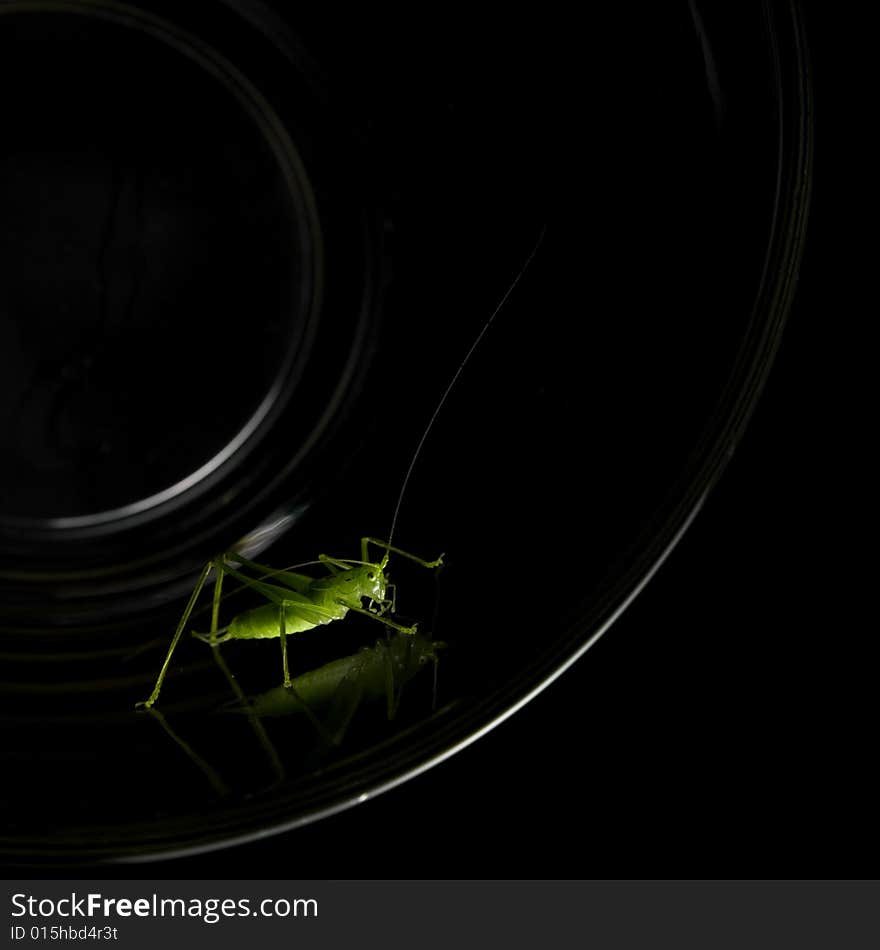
296,602
341,685
328,696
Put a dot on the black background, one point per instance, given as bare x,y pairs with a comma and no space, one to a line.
725,726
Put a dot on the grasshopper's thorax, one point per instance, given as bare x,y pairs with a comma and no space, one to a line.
351,587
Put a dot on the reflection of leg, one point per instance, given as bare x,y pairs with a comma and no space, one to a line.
179,632
217,783
438,645
346,699
253,718
392,694
288,683
283,631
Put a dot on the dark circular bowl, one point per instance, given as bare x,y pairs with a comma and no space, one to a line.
246,247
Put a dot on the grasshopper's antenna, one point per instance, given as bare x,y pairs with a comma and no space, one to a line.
455,376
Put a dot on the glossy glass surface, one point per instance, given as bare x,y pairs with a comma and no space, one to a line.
665,155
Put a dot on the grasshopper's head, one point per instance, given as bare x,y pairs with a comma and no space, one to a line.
374,584
365,581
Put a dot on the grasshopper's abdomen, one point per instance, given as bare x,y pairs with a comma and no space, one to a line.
265,622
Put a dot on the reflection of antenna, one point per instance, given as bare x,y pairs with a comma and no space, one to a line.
454,380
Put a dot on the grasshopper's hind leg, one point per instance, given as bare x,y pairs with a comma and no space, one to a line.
215,636
206,570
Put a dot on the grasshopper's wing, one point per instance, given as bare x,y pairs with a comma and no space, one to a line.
290,579
272,592
296,582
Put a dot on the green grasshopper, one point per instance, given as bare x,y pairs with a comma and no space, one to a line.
297,602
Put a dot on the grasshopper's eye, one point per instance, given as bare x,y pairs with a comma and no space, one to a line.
371,577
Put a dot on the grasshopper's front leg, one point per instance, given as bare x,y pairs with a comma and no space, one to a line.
384,620
389,548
